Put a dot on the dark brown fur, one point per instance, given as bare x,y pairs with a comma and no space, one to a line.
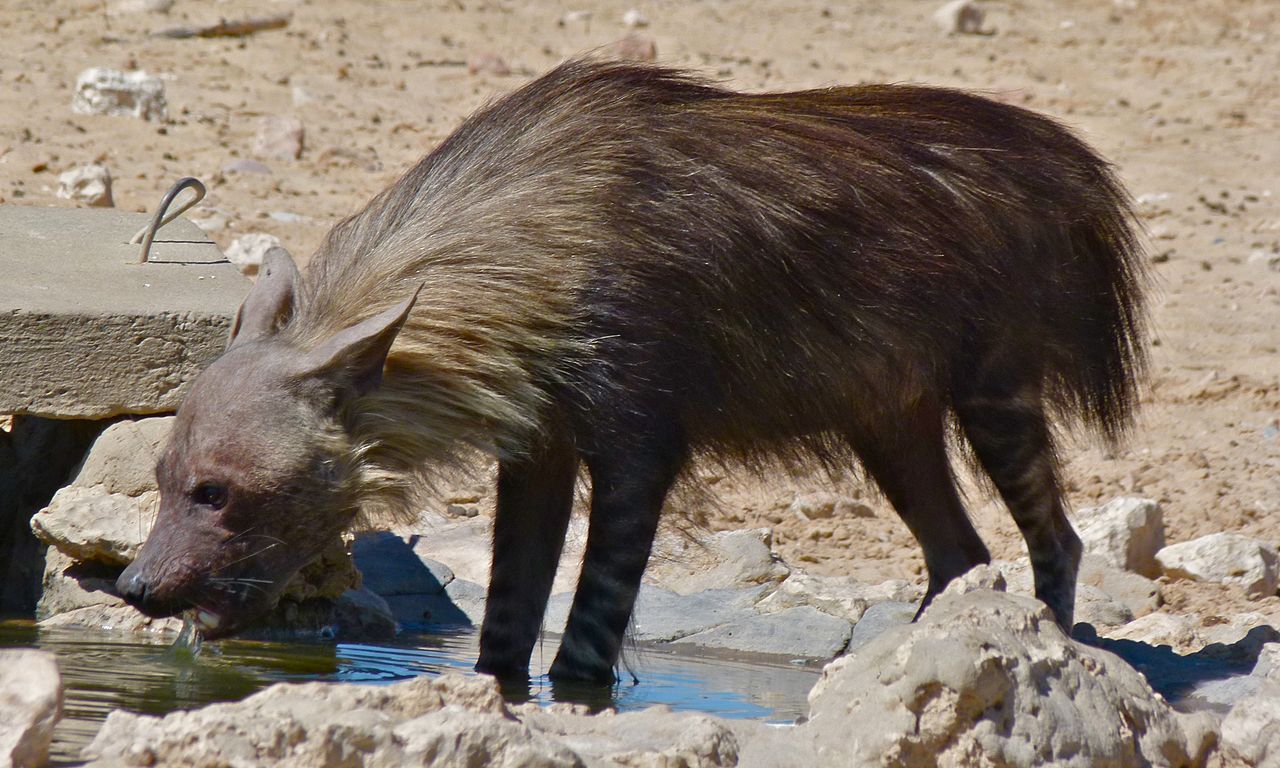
630,268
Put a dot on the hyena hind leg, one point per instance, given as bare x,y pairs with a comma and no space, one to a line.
1007,427
907,457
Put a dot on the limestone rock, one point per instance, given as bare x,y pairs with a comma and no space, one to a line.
120,7
960,17
88,184
123,458
248,251
310,724
839,596
113,616
1174,630
453,736
634,19
279,138
653,738
636,47
487,63
796,632
1125,533
987,678
1224,558
1251,730
30,705
724,560
820,506
91,524
1138,594
1093,605
69,585
102,91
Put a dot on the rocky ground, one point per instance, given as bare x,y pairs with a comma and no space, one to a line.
1181,96
294,127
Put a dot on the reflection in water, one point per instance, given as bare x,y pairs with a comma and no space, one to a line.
105,671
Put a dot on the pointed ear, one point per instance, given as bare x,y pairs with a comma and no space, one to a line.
356,355
270,302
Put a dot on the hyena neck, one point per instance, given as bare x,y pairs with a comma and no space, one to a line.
439,404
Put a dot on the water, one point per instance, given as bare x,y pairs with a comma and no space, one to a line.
103,671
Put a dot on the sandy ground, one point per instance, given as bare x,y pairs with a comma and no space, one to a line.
1182,95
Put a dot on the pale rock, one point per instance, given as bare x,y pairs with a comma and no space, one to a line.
92,524
88,184
308,724
304,96
116,617
69,586
636,47
987,678
246,165
487,63
960,17
653,738
248,251
723,560
123,458
1251,628
981,577
1251,730
821,506
1093,605
1126,533
30,706
120,7
1223,558
634,18
454,737
1174,630
797,632
102,91
279,138
450,721
1268,259
464,544
1138,594
836,595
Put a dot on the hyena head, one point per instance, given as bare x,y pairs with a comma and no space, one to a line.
258,475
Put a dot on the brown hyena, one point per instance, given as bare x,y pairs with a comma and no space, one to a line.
626,268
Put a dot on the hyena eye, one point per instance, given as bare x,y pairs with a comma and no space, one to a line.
212,495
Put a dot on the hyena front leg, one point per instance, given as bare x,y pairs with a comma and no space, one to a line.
629,485
535,497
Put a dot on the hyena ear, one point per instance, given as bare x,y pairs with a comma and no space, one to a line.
355,356
270,302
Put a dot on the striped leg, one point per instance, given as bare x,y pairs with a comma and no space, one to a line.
1006,425
627,495
907,457
535,498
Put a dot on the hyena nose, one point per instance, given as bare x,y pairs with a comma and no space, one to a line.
132,586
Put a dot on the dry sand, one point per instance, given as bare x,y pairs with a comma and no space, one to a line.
1182,95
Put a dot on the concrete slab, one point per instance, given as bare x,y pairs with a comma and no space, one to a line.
88,333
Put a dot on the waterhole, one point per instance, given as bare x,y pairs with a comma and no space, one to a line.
103,671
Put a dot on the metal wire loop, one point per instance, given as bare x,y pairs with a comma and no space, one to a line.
148,233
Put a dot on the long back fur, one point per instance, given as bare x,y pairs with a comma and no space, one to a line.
614,240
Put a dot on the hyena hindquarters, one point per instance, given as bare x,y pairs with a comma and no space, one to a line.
966,290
